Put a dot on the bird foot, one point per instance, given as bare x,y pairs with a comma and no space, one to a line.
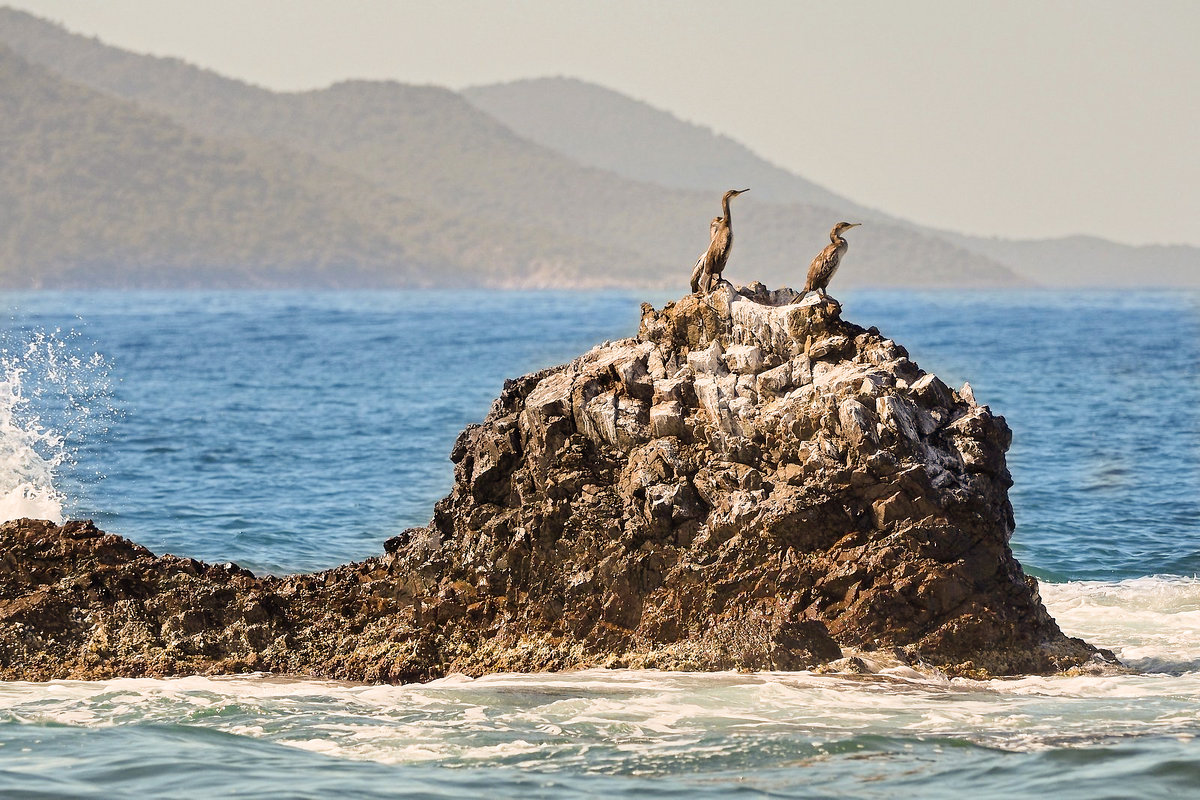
816,297
808,299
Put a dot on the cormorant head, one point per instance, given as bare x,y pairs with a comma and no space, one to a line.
843,226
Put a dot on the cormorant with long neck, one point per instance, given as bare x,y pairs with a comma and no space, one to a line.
709,267
820,272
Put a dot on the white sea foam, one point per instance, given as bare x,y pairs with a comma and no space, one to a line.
51,396
599,720
1152,624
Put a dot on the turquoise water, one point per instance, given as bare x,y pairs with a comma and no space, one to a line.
292,431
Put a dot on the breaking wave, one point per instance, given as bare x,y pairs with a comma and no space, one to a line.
53,395
1151,623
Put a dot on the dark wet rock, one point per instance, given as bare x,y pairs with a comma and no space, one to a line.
750,483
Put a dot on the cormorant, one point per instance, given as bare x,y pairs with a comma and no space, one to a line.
709,267
827,261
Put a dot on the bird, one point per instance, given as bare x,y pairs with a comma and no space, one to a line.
827,261
708,269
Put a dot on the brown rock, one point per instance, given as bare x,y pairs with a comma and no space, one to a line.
623,509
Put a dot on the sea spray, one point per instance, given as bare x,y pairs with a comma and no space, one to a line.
54,395
29,456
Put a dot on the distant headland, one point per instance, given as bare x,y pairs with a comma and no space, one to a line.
130,171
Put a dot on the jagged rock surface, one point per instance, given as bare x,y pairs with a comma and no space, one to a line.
750,483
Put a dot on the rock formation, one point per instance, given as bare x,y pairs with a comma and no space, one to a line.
749,483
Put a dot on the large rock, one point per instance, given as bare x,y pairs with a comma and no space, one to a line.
749,483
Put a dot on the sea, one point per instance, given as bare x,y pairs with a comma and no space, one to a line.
293,431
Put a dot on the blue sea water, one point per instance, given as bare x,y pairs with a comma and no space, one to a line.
291,431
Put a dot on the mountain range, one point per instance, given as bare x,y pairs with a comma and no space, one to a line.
121,169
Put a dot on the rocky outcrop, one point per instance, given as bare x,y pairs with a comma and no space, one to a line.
749,483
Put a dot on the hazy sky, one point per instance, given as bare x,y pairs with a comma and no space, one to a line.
1012,118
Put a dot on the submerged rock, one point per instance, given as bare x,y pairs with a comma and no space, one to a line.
750,482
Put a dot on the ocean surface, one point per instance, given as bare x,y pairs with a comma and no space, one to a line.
292,431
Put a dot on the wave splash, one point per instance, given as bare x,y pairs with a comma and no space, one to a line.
53,395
